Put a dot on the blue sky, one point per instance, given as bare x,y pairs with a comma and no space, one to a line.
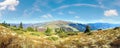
80,11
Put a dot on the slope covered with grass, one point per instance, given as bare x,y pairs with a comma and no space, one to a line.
25,39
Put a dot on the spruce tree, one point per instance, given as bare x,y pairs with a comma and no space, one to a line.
21,26
87,29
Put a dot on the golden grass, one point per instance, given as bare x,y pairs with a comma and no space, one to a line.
98,39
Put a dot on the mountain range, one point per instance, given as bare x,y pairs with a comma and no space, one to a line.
68,26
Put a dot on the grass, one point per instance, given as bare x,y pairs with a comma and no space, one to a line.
25,39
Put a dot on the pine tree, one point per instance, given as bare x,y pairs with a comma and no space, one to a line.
87,29
21,26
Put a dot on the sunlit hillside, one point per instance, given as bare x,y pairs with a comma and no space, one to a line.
10,38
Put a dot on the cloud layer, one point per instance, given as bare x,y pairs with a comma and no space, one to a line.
111,12
9,5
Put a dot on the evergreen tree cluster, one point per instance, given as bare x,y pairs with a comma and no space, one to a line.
5,24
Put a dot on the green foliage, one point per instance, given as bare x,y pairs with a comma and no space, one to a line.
52,38
87,29
15,26
72,33
99,29
59,30
30,29
62,35
48,32
5,24
21,26
35,34
89,33
116,28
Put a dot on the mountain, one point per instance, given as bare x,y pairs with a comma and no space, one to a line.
69,26
24,25
54,25
73,26
94,26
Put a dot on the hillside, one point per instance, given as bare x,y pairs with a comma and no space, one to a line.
74,26
97,39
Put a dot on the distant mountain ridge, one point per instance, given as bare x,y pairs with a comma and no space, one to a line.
94,26
70,25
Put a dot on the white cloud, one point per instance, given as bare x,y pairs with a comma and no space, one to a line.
77,17
76,5
111,12
71,12
9,4
47,16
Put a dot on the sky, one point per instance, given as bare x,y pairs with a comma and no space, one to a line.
79,11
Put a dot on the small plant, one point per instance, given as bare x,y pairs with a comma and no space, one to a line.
35,34
48,32
99,29
89,33
30,29
62,35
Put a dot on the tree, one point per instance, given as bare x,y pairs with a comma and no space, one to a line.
5,24
15,26
30,29
116,28
48,31
21,26
87,29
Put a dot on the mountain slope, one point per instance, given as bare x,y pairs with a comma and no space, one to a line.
55,24
74,26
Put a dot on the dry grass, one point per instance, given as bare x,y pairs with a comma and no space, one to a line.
98,39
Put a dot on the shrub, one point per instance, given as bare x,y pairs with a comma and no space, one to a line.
35,34
30,29
48,32
116,28
62,35
99,29
71,33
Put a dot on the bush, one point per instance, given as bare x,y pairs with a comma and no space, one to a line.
36,34
71,33
30,29
89,33
99,29
116,28
48,32
62,35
